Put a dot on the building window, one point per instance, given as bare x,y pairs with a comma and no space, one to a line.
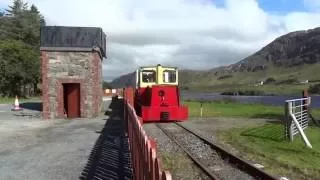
148,76
169,76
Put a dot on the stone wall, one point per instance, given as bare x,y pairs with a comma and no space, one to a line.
71,67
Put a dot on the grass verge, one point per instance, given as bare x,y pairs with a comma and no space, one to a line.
227,108
10,100
266,145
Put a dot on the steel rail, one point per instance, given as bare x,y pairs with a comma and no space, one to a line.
196,161
233,159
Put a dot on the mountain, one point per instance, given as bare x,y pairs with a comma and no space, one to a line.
289,58
124,81
292,49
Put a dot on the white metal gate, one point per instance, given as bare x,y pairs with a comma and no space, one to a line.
297,118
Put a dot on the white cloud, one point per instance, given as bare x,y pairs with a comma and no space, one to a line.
189,33
302,20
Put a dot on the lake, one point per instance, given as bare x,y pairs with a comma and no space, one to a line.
268,100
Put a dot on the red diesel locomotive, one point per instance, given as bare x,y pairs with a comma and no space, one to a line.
157,95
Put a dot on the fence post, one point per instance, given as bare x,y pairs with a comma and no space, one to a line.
307,102
305,95
286,120
290,121
201,109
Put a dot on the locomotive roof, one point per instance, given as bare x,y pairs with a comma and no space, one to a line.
156,66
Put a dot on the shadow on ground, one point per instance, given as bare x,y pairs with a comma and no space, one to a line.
267,132
110,156
34,106
269,116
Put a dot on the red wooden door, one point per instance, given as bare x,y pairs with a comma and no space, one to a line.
73,99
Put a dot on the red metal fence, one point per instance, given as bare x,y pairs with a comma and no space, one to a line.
146,165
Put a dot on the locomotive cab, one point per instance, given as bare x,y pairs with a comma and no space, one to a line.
157,96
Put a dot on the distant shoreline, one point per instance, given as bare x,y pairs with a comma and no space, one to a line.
269,91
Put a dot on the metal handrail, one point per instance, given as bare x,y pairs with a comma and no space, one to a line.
300,99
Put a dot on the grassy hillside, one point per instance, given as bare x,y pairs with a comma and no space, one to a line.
211,81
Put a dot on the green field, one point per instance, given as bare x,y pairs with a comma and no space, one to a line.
227,108
267,145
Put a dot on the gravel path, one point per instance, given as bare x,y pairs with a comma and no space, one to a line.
172,157
205,154
32,148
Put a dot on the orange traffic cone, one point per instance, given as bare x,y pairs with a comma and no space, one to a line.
16,106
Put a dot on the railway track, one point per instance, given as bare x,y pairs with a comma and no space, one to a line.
215,161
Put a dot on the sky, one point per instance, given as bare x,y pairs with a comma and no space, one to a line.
189,34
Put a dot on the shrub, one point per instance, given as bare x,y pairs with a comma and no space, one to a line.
314,89
225,77
184,88
270,80
244,93
289,81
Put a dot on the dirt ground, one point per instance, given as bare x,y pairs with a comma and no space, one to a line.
32,148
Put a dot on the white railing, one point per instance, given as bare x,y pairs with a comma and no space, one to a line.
297,118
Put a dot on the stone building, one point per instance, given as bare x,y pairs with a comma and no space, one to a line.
71,66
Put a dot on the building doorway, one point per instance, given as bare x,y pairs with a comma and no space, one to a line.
71,99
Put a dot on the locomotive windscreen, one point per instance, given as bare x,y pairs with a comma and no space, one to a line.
169,76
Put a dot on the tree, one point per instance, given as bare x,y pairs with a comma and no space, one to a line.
34,11
314,89
19,48
106,85
17,8
25,23
17,67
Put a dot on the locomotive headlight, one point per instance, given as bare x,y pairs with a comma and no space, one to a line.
161,93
